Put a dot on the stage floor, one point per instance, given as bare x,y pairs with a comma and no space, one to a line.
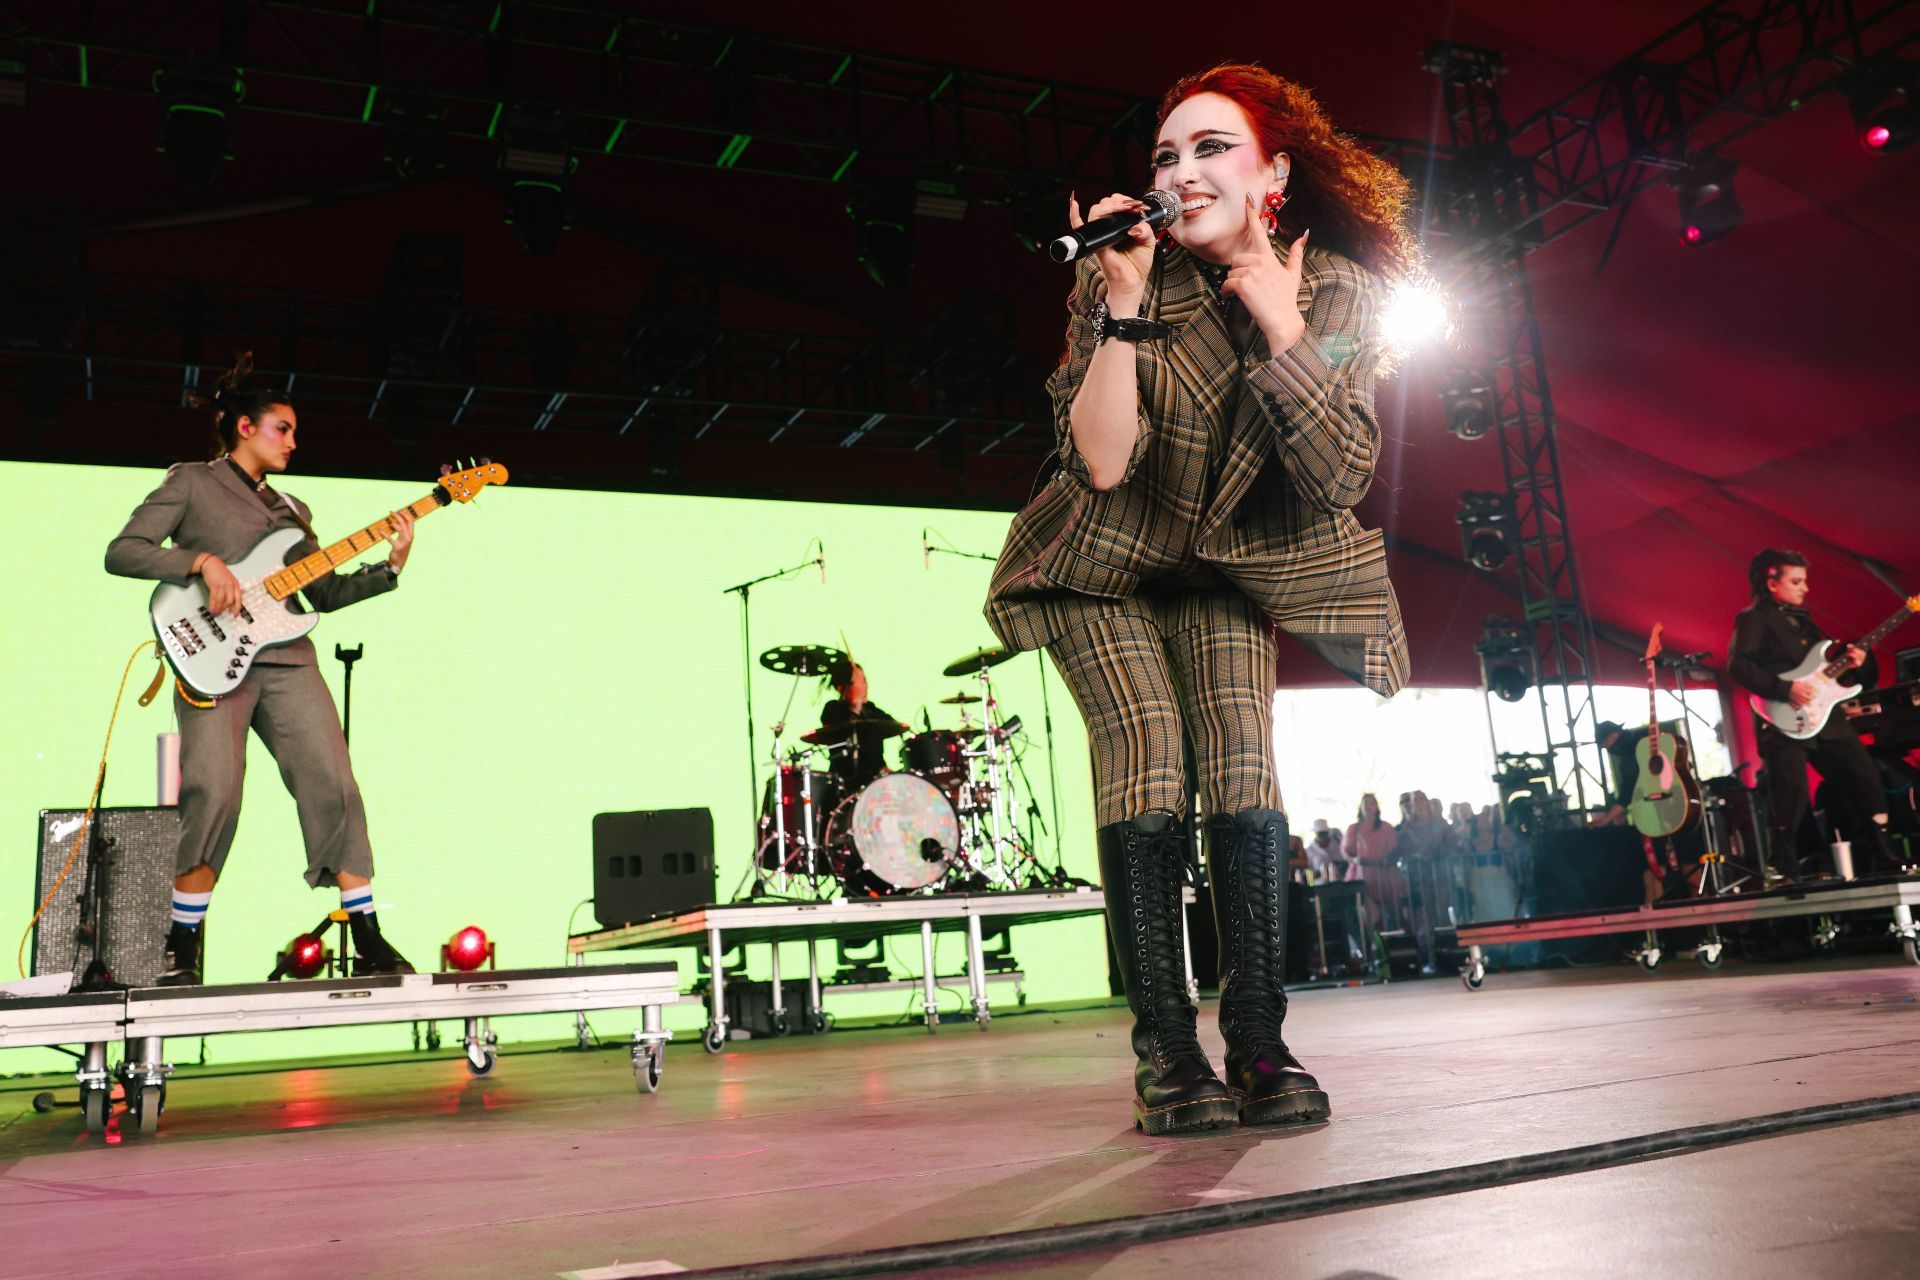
866,1139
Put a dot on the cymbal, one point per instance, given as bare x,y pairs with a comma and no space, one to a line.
959,699
967,731
992,656
828,735
801,659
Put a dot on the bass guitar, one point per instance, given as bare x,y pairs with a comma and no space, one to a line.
213,653
1825,672
1666,795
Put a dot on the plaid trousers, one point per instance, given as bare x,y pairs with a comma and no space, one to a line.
1202,659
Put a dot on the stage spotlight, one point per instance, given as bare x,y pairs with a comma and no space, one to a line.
1881,99
1469,403
1415,315
304,957
196,118
416,136
537,160
1708,208
883,234
466,950
1506,659
1486,529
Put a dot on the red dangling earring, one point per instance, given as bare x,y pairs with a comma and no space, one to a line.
1276,201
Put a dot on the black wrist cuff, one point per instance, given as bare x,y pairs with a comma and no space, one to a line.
1131,329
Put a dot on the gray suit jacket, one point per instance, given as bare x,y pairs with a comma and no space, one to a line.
205,506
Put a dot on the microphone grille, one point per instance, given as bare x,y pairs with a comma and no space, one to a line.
1162,206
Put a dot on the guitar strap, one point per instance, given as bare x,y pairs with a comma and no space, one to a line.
272,499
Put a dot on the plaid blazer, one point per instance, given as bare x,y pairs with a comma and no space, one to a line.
1242,465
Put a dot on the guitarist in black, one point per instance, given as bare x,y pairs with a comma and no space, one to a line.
1770,637
214,512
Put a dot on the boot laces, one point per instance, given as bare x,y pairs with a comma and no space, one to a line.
1255,900
1156,861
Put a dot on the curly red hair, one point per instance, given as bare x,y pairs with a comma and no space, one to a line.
1355,201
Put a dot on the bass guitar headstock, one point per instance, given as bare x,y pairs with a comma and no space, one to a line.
461,486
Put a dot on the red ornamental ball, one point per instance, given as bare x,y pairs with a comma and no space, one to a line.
468,949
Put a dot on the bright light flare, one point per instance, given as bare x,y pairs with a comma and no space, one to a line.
1417,314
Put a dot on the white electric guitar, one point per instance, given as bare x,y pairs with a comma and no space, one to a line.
1825,673
212,653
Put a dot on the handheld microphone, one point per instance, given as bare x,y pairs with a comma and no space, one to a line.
1162,208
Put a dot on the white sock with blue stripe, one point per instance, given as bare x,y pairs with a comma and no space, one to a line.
190,909
357,902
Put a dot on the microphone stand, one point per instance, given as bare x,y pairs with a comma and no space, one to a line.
347,658
1046,716
745,591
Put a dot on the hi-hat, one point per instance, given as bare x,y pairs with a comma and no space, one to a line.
828,735
801,659
959,699
992,656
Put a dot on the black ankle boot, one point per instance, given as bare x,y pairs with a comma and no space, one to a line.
1175,1090
1246,866
372,953
180,964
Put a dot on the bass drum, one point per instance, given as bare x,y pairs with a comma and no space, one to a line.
897,834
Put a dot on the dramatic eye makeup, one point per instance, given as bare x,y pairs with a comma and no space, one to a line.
1207,147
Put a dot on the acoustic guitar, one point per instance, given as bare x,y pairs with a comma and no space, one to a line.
1666,795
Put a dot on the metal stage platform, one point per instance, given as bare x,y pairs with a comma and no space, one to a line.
145,1017
843,919
1819,900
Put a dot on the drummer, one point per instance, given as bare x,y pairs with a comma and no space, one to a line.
861,759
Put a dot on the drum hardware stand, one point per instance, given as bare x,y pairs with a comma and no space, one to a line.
929,549
744,590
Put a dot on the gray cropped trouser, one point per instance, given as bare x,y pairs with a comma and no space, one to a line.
292,710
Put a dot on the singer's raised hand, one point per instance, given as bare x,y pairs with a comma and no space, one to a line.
1267,287
1125,263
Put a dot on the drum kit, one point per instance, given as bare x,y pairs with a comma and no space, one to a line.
945,819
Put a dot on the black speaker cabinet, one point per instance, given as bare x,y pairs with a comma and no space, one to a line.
139,848
651,863
1583,870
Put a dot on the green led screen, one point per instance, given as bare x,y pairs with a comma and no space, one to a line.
550,654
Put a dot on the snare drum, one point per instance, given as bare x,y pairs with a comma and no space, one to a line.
898,833
939,756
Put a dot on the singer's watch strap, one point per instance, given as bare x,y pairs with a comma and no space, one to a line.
1130,329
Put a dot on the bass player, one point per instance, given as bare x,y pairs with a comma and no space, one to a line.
1770,637
214,512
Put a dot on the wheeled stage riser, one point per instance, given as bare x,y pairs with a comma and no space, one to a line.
714,929
144,1018
1820,901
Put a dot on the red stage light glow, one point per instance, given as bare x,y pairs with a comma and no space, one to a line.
1691,235
1876,136
468,949
305,956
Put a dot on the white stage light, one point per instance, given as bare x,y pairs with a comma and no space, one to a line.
1416,315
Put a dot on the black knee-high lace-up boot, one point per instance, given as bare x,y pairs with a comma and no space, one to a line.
1246,863
1175,1089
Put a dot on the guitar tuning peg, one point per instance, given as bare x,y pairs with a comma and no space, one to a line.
486,462
446,468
